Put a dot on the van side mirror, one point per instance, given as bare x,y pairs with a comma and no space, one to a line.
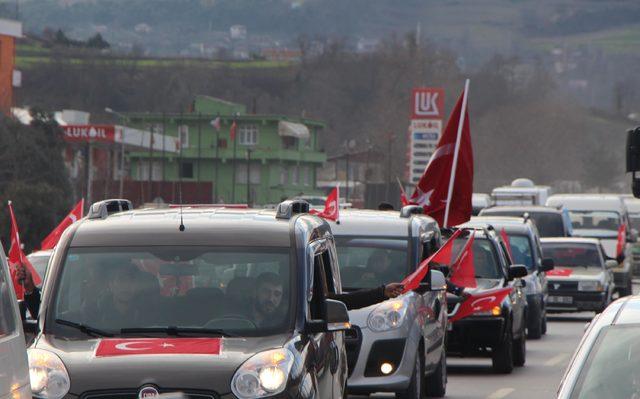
547,265
633,159
611,264
336,319
517,271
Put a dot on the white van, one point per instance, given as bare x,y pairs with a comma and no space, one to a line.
600,216
521,192
14,370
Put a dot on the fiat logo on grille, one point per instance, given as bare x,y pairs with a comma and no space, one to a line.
148,392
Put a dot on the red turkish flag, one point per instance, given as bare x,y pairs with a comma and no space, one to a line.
622,239
463,271
331,206
442,255
158,346
17,257
480,303
52,239
507,243
232,131
433,187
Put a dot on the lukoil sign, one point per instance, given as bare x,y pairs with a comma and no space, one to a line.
428,103
87,133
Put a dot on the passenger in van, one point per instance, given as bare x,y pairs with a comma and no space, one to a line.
378,270
267,299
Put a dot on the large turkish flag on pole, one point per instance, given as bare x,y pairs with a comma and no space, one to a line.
445,188
17,257
52,239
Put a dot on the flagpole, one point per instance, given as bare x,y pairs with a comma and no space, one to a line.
463,113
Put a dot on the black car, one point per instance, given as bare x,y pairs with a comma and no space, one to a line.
499,333
227,304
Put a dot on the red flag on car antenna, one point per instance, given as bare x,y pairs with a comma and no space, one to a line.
52,239
17,257
442,255
331,206
622,238
446,186
403,195
507,243
463,271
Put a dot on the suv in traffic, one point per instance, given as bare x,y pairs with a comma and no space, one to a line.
211,302
398,345
525,249
499,333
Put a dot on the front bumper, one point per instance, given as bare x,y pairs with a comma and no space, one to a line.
580,301
472,336
371,351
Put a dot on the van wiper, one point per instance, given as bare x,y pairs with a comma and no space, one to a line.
176,331
94,332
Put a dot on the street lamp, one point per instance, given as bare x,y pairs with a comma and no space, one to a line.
348,145
122,118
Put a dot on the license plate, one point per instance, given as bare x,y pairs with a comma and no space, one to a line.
561,299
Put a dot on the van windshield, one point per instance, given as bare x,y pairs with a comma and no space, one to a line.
597,224
239,291
371,262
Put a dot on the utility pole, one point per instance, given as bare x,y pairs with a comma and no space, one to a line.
199,143
217,163
249,177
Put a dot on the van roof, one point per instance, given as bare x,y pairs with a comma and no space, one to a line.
588,202
203,226
521,208
376,223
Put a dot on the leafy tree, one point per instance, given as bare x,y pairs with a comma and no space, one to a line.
97,42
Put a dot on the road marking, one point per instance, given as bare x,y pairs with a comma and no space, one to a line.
554,361
501,393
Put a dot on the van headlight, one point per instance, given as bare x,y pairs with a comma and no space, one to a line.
388,315
48,375
264,374
590,286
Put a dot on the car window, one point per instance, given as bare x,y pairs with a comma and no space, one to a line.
572,254
39,263
600,224
612,368
521,251
371,262
8,320
485,257
240,290
549,224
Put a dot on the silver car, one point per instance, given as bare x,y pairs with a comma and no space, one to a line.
399,345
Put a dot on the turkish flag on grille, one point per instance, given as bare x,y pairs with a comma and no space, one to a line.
17,257
442,255
622,238
482,302
52,239
433,187
331,206
158,346
463,271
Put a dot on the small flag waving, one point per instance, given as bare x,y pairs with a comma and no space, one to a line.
403,196
17,257
442,255
463,271
445,188
216,123
483,302
52,239
331,206
507,243
622,238
232,131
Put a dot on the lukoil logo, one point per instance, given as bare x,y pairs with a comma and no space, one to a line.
428,103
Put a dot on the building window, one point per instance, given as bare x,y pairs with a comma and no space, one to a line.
186,170
289,143
143,170
248,134
183,131
241,173
295,175
306,176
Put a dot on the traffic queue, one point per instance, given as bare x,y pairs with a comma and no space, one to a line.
223,301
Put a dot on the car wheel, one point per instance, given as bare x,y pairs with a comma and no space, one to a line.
520,351
415,390
534,329
502,357
436,386
544,323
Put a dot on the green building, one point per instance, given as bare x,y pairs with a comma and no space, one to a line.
272,156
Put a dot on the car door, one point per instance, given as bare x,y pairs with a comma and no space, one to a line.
326,345
517,293
430,306
14,371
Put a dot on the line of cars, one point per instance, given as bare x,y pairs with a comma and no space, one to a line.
310,346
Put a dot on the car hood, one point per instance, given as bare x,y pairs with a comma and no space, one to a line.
89,372
575,274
